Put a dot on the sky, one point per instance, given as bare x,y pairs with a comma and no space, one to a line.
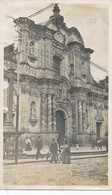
90,19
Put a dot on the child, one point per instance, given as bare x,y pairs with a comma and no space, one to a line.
77,146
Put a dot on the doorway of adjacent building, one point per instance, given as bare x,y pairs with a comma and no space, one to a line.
98,129
60,126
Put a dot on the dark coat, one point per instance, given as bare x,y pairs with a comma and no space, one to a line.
53,148
39,144
66,154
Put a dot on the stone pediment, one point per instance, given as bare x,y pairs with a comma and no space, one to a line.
58,36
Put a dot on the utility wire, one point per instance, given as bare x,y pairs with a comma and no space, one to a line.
32,15
99,67
67,70
40,11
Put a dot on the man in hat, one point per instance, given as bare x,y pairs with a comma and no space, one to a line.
53,150
39,146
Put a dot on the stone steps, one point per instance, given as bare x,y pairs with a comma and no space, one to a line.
87,153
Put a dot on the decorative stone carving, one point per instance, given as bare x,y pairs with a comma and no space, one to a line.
84,116
63,106
60,37
33,119
63,93
32,52
99,109
80,115
71,73
57,19
31,92
74,117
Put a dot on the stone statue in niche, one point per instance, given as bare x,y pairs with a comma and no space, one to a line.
32,48
33,113
63,93
99,109
71,73
33,119
32,52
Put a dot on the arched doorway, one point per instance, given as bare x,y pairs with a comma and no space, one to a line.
60,126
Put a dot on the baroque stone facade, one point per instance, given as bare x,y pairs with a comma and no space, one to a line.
57,94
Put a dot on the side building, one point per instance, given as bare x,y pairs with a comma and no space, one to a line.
57,94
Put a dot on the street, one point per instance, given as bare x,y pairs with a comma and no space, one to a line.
89,171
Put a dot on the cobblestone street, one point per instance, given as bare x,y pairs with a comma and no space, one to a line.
91,171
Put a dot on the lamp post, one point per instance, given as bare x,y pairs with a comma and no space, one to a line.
17,113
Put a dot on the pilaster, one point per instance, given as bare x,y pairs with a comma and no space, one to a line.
43,113
49,113
53,113
80,115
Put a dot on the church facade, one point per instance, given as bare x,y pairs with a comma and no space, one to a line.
57,94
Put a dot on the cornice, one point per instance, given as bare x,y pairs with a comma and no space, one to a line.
74,44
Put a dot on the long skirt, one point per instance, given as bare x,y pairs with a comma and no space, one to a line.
28,147
66,158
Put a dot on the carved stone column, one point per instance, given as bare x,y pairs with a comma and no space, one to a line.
43,112
53,113
74,117
9,101
46,111
49,113
84,116
80,115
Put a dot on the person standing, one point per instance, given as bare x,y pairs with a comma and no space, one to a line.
53,150
39,146
66,152
28,144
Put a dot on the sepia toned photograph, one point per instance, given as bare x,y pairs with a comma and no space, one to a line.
55,104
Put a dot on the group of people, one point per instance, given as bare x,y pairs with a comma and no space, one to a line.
99,143
63,155
38,146
60,153
56,153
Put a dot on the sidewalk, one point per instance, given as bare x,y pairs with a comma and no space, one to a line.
81,153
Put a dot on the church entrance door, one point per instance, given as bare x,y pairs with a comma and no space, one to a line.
60,126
